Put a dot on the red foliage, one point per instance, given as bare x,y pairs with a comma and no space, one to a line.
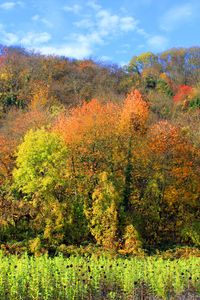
183,92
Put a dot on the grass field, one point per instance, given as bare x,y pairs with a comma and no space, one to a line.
97,278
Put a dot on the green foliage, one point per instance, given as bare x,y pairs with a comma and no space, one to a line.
144,60
40,178
163,87
41,163
149,82
91,277
195,103
192,233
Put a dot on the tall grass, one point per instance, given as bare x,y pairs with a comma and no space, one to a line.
96,278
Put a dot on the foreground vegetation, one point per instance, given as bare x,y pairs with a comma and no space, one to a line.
97,278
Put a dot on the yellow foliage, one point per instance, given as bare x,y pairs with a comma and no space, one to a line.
39,95
35,245
4,76
102,216
132,244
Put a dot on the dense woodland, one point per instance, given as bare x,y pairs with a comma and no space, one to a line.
96,155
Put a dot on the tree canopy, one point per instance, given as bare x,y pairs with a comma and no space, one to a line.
99,155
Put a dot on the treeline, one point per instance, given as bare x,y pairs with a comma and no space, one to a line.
27,77
99,155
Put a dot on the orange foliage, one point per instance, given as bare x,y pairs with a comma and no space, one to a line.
95,120
135,112
163,136
92,119
6,159
178,154
89,133
86,64
97,134
183,93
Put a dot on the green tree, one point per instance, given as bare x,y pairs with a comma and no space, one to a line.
40,162
40,179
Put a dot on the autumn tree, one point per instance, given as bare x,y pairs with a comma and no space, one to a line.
39,178
171,188
120,173
103,213
6,157
133,120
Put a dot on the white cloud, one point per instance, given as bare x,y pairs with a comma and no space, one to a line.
94,5
176,16
47,23
157,42
8,5
33,38
76,8
96,27
128,23
106,21
89,39
142,32
8,38
37,18
85,23
24,39
101,26
75,51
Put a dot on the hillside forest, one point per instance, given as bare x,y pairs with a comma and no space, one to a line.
98,156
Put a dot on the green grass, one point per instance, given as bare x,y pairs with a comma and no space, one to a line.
96,278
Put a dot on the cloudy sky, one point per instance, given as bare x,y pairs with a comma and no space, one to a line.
112,30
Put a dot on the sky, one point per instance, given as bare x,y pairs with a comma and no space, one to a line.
112,31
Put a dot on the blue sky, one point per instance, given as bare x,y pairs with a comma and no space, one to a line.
112,30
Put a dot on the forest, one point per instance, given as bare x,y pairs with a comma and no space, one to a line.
98,157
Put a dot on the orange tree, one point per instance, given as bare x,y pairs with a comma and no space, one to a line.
100,138
167,196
